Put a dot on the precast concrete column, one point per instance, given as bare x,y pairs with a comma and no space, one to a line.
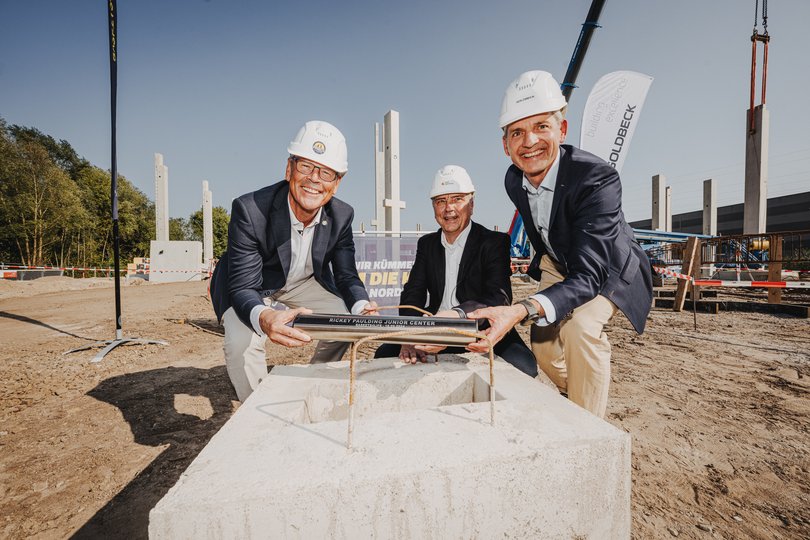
161,200
756,171
208,225
659,186
668,210
379,178
709,222
709,207
392,202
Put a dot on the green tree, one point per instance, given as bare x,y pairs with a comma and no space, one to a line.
61,152
8,165
55,206
40,206
219,222
178,228
135,219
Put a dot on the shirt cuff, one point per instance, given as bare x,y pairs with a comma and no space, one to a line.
254,319
359,306
550,313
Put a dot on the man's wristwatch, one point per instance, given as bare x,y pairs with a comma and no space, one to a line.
532,313
461,313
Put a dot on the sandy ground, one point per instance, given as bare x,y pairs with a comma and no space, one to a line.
719,417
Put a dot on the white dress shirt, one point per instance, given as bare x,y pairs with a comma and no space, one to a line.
452,262
301,249
540,201
300,266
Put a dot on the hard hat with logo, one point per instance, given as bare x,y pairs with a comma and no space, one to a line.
534,92
451,179
322,143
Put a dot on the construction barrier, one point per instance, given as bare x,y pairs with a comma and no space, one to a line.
519,266
728,283
66,268
8,271
770,284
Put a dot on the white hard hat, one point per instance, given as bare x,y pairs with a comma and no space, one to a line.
451,179
534,92
322,143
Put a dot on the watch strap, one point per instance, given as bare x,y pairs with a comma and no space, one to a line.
461,313
531,312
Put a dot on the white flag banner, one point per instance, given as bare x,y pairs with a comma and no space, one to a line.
611,114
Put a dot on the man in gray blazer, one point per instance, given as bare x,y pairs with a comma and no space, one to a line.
290,245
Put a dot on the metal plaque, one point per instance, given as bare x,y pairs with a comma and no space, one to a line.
354,327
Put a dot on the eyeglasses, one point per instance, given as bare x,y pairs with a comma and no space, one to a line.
454,200
307,168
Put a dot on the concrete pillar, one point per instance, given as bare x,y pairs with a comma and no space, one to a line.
379,178
161,200
208,226
392,203
709,224
756,171
166,213
659,186
709,207
668,210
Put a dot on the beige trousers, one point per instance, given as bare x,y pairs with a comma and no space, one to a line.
575,353
245,357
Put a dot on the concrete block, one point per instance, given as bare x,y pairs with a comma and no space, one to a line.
426,463
175,260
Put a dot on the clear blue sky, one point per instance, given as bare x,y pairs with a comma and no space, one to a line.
219,88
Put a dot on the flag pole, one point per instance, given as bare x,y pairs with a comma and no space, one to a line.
112,27
112,13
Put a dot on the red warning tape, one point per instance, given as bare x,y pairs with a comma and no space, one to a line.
519,266
770,284
728,283
18,267
670,273
13,269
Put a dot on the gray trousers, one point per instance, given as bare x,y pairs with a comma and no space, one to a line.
245,357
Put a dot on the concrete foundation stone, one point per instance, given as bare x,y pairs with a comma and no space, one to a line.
425,463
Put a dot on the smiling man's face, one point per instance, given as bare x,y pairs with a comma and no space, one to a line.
453,213
533,143
307,191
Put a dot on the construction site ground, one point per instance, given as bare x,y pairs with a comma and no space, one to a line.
719,416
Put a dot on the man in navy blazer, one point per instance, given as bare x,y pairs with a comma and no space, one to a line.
459,268
586,257
290,245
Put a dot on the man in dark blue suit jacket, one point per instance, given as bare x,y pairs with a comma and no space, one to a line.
586,257
289,245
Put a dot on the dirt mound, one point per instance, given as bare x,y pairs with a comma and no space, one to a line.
51,284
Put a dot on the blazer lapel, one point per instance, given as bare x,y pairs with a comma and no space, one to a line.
323,231
560,188
525,211
522,204
438,268
467,255
280,229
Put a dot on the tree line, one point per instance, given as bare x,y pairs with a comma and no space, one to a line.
55,207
